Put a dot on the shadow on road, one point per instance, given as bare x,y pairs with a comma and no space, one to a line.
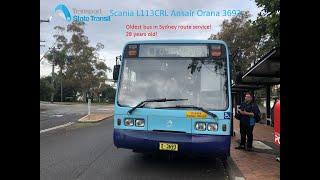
173,165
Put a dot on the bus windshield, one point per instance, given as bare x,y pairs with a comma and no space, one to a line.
203,81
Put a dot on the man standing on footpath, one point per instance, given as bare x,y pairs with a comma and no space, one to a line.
246,113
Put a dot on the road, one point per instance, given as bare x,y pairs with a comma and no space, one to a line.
86,151
52,115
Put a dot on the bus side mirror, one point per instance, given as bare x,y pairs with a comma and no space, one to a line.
116,69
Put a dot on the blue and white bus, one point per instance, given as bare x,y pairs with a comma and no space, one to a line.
175,96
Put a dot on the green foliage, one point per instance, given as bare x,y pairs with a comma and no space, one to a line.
254,39
67,91
239,33
268,21
82,70
109,93
45,88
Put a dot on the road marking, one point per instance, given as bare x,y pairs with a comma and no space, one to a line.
49,129
58,115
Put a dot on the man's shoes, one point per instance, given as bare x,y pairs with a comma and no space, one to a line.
240,147
249,149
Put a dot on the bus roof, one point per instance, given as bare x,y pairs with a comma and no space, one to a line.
175,41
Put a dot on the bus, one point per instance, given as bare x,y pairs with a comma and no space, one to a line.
173,96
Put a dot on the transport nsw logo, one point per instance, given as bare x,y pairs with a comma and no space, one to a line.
169,124
63,9
81,15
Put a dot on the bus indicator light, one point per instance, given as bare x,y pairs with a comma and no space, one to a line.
132,53
216,53
215,50
224,127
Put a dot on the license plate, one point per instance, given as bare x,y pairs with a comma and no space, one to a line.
168,146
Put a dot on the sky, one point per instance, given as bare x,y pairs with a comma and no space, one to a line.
112,34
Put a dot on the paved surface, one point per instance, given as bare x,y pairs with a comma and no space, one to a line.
261,163
95,117
86,151
52,115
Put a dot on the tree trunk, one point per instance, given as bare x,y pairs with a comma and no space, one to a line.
84,96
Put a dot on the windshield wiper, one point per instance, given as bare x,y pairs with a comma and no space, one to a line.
193,107
153,100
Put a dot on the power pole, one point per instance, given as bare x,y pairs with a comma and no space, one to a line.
52,85
48,50
48,20
61,82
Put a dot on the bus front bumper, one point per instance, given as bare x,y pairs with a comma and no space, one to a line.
148,141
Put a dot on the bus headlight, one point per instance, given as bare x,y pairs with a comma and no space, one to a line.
128,122
201,126
140,122
212,127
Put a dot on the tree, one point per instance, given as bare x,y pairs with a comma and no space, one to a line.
45,88
268,22
85,68
109,93
69,93
239,33
59,57
81,69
